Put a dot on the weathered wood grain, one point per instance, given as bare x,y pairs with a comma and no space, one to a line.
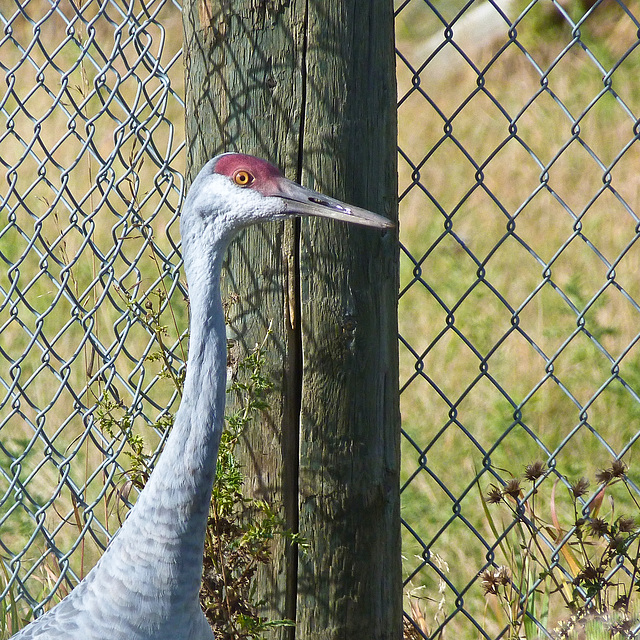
349,583
309,85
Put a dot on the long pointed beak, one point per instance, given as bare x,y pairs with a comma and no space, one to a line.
306,202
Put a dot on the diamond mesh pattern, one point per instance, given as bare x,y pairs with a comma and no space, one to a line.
519,305
91,150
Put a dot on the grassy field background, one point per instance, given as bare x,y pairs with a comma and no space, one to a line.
519,299
83,203
509,274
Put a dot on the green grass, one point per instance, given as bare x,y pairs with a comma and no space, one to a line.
510,176
511,367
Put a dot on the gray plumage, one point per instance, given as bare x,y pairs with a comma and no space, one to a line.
146,584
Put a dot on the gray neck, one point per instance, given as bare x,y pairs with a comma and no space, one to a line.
169,519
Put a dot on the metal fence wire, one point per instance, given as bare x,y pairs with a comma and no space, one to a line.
519,302
91,148
519,316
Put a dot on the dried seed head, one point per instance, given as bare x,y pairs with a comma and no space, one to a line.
534,471
580,487
493,578
618,543
494,495
626,525
598,527
590,574
489,581
604,476
618,468
503,575
512,488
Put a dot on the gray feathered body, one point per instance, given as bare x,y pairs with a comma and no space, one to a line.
146,585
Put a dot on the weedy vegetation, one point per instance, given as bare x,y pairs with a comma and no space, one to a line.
574,560
241,529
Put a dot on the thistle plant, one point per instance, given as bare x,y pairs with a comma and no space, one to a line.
580,562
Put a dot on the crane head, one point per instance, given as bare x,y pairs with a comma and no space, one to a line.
240,189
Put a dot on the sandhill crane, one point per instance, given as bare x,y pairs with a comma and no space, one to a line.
145,586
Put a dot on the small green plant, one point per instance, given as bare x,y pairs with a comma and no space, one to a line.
241,529
582,560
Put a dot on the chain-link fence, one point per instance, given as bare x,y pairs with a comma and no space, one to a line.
91,149
519,316
519,301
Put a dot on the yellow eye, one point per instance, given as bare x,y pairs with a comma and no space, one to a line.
242,178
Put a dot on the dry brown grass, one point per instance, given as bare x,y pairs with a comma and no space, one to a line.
59,118
479,225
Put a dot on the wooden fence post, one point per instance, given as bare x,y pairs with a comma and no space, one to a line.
310,85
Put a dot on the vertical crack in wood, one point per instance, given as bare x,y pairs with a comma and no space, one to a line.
291,439
292,502
303,91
